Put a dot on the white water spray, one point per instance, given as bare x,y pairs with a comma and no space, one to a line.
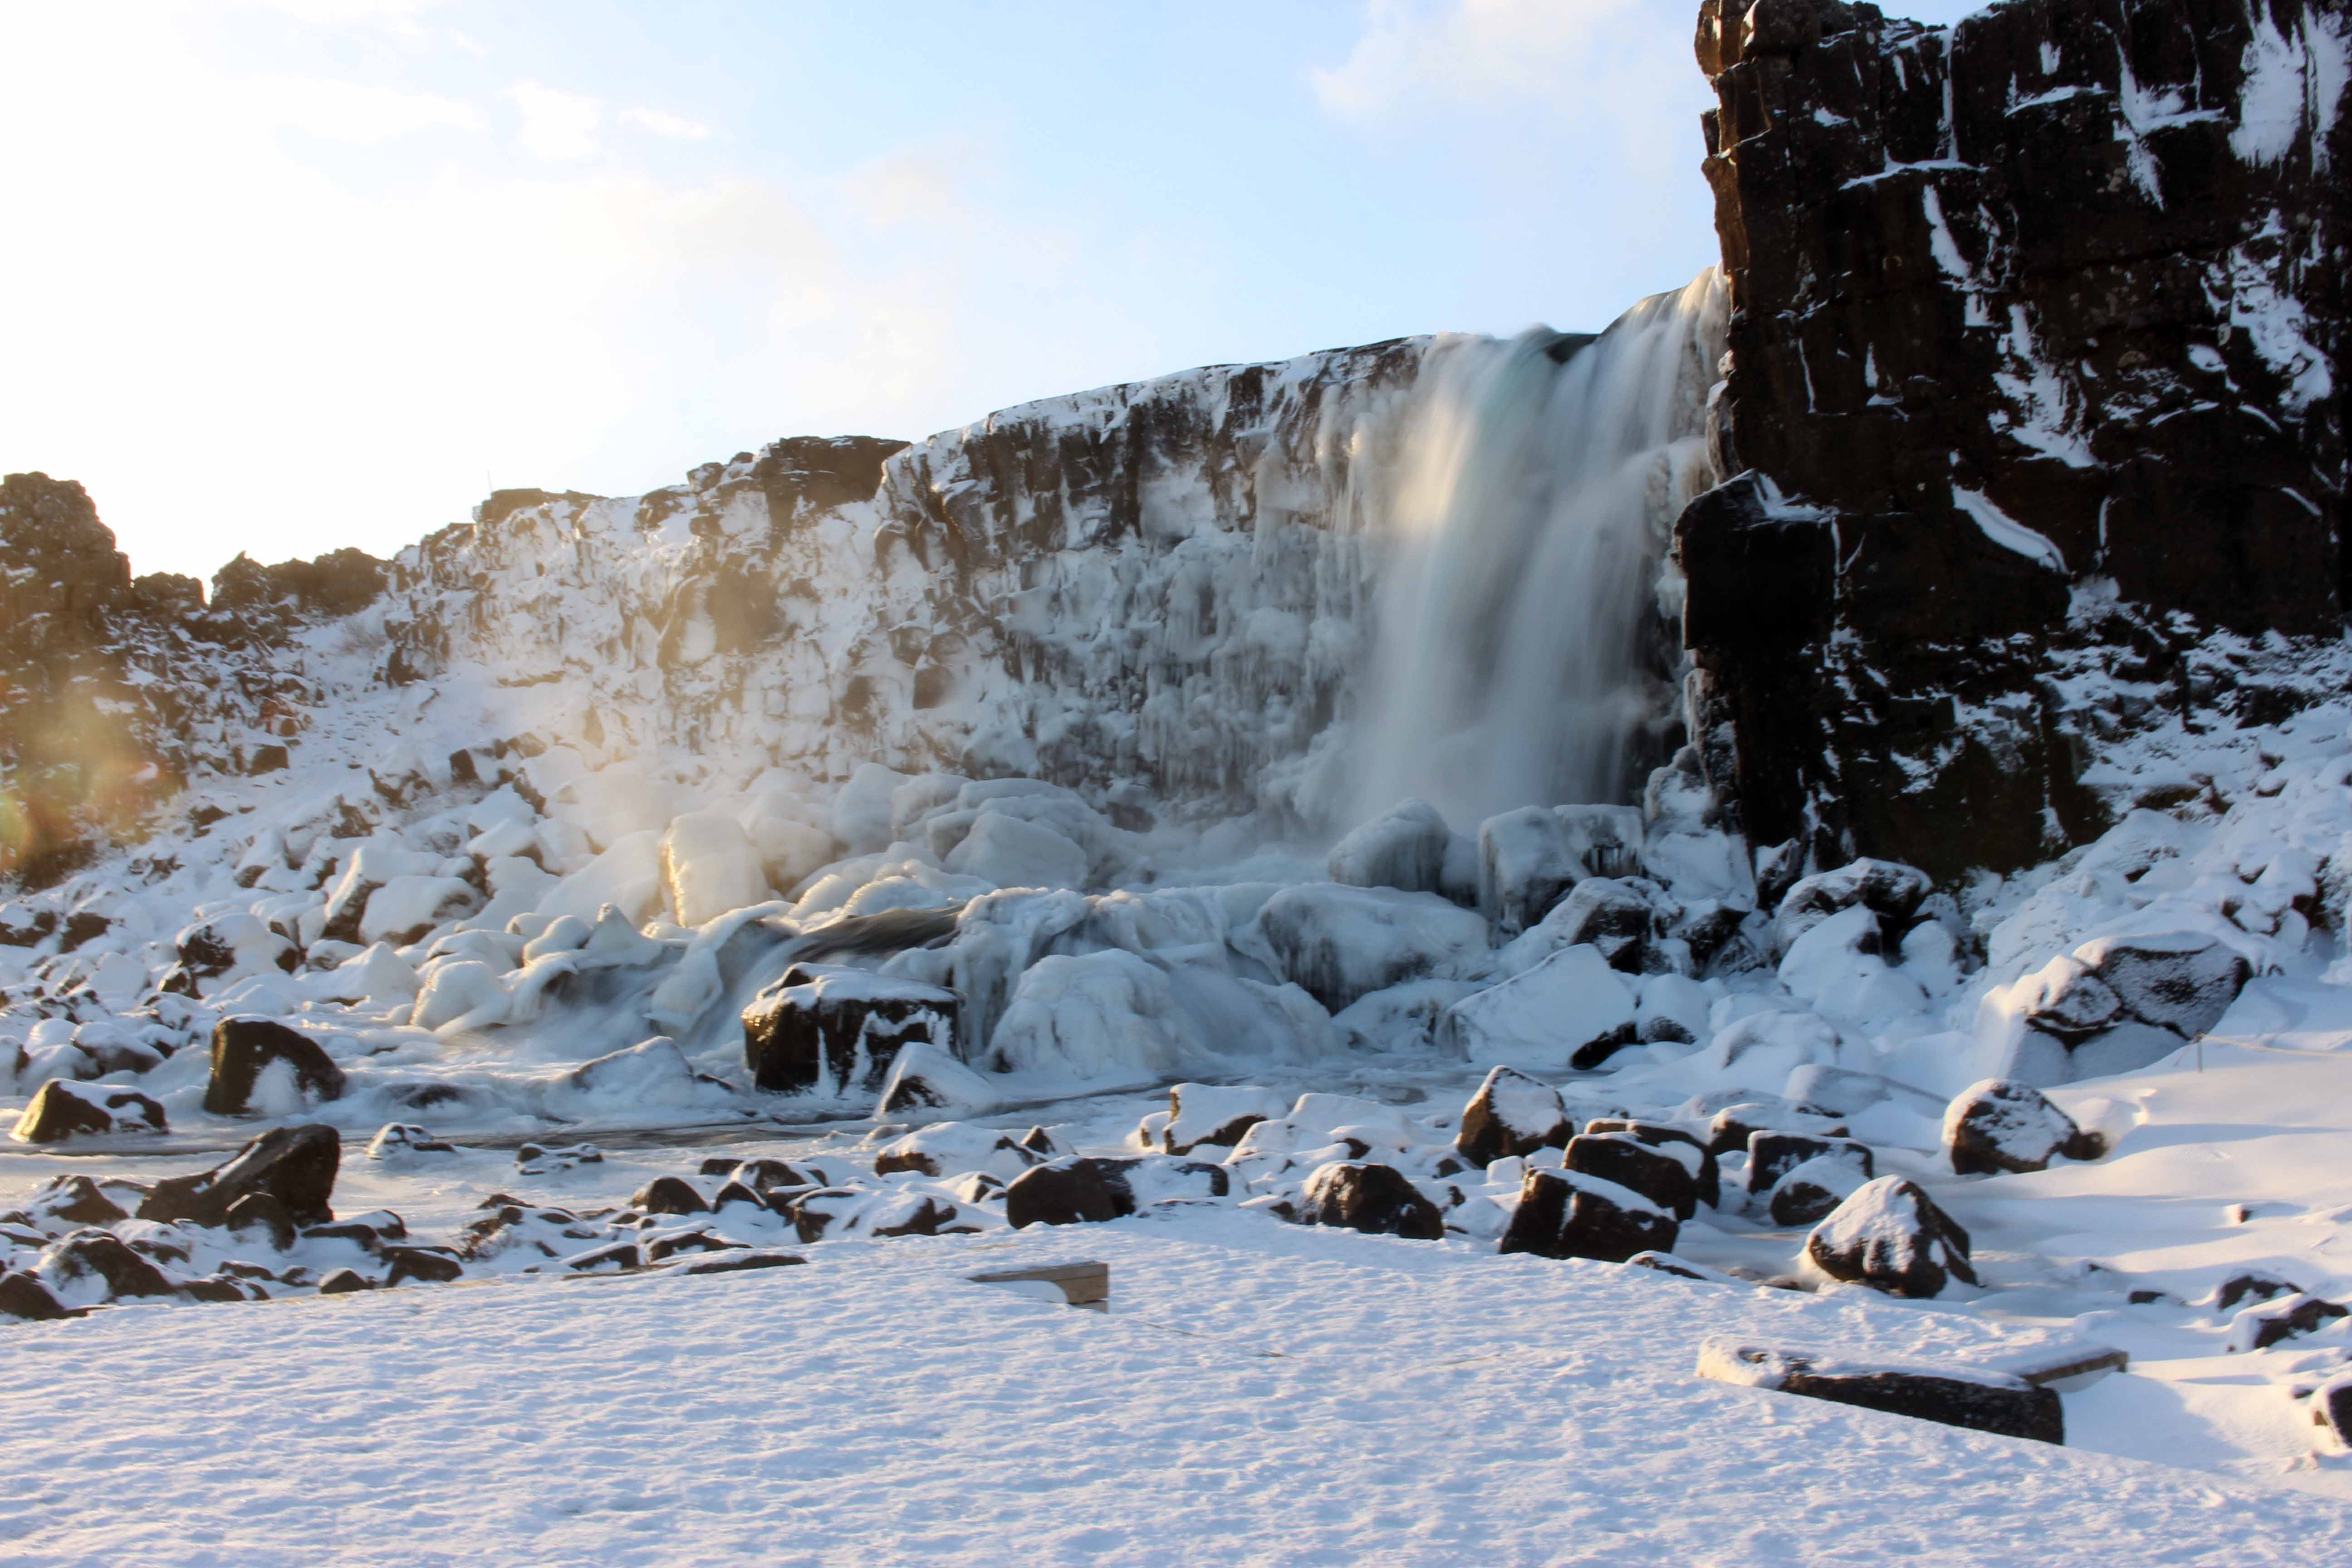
1527,524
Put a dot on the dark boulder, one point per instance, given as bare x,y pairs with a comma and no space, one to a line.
1948,1391
101,1255
837,1032
343,1282
1666,1173
1079,1190
295,1165
244,1048
261,1212
60,1109
2272,1322
1810,1193
1511,1114
77,1199
1893,892
23,1298
1367,1196
1891,1237
1561,1214
1732,1126
434,1265
2001,1125
1622,917
1772,1155
2252,1287
668,1194
1659,1133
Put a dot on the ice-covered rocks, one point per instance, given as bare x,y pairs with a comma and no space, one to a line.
709,868
832,1031
953,1148
1369,1196
1890,1235
1708,1176
295,1166
1530,858
2258,1327
1572,1011
1566,1214
1809,1191
2114,1004
1625,919
1949,1391
925,1078
1215,1116
62,1109
1511,1114
260,1067
1091,1013
228,945
2001,1125
1772,1155
1890,891
1340,943
1010,852
1404,849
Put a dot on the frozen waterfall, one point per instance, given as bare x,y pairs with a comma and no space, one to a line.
1525,520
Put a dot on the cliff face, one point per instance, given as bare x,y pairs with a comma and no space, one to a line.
2037,374
1148,592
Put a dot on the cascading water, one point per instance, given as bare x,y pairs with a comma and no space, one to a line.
1525,530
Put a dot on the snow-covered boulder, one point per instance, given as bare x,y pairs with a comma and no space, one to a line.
1369,1196
652,1074
227,945
1404,848
468,994
836,1032
2000,1125
1088,1014
1082,1189
953,1148
1564,1214
1837,966
1316,1121
1529,858
61,1110
1658,1134
1215,1115
1892,892
1572,1011
1340,943
1731,1127
925,1078
1890,1235
1666,1174
1773,1154
1511,1114
2115,1004
1004,850
1810,1191
710,869
1625,918
260,1067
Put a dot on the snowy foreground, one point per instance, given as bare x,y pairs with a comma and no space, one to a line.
623,1134
1258,1394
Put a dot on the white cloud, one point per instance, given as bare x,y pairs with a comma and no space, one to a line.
353,111
1417,56
674,127
557,127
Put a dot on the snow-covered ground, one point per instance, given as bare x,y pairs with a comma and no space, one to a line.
1257,1394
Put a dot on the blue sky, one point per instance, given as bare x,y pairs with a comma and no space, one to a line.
291,274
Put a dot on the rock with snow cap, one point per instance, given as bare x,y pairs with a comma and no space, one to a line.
1891,1236
1369,1196
1949,1391
260,1057
925,1078
61,1110
1565,1215
2000,1125
1215,1115
1511,1114
295,1165
1667,1173
837,1031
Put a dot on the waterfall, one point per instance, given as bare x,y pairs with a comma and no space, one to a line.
1523,535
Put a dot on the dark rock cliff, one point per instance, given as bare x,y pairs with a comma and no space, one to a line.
2036,375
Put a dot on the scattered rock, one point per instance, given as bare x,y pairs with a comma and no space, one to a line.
2001,1125
1729,1130
1511,1114
538,1160
26,1299
2252,1287
261,1212
950,1148
924,1077
77,1199
245,1048
736,1262
1891,1237
1367,1196
344,1281
2260,1327
1564,1214
100,1256
434,1265
1080,1190
1666,1174
1772,1155
1810,1192
668,1194
1709,1176
1211,1115
1891,892
296,1166
62,1110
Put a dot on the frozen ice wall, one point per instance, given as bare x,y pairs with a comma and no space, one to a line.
1297,591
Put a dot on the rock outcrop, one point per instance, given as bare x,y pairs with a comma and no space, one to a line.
2035,403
